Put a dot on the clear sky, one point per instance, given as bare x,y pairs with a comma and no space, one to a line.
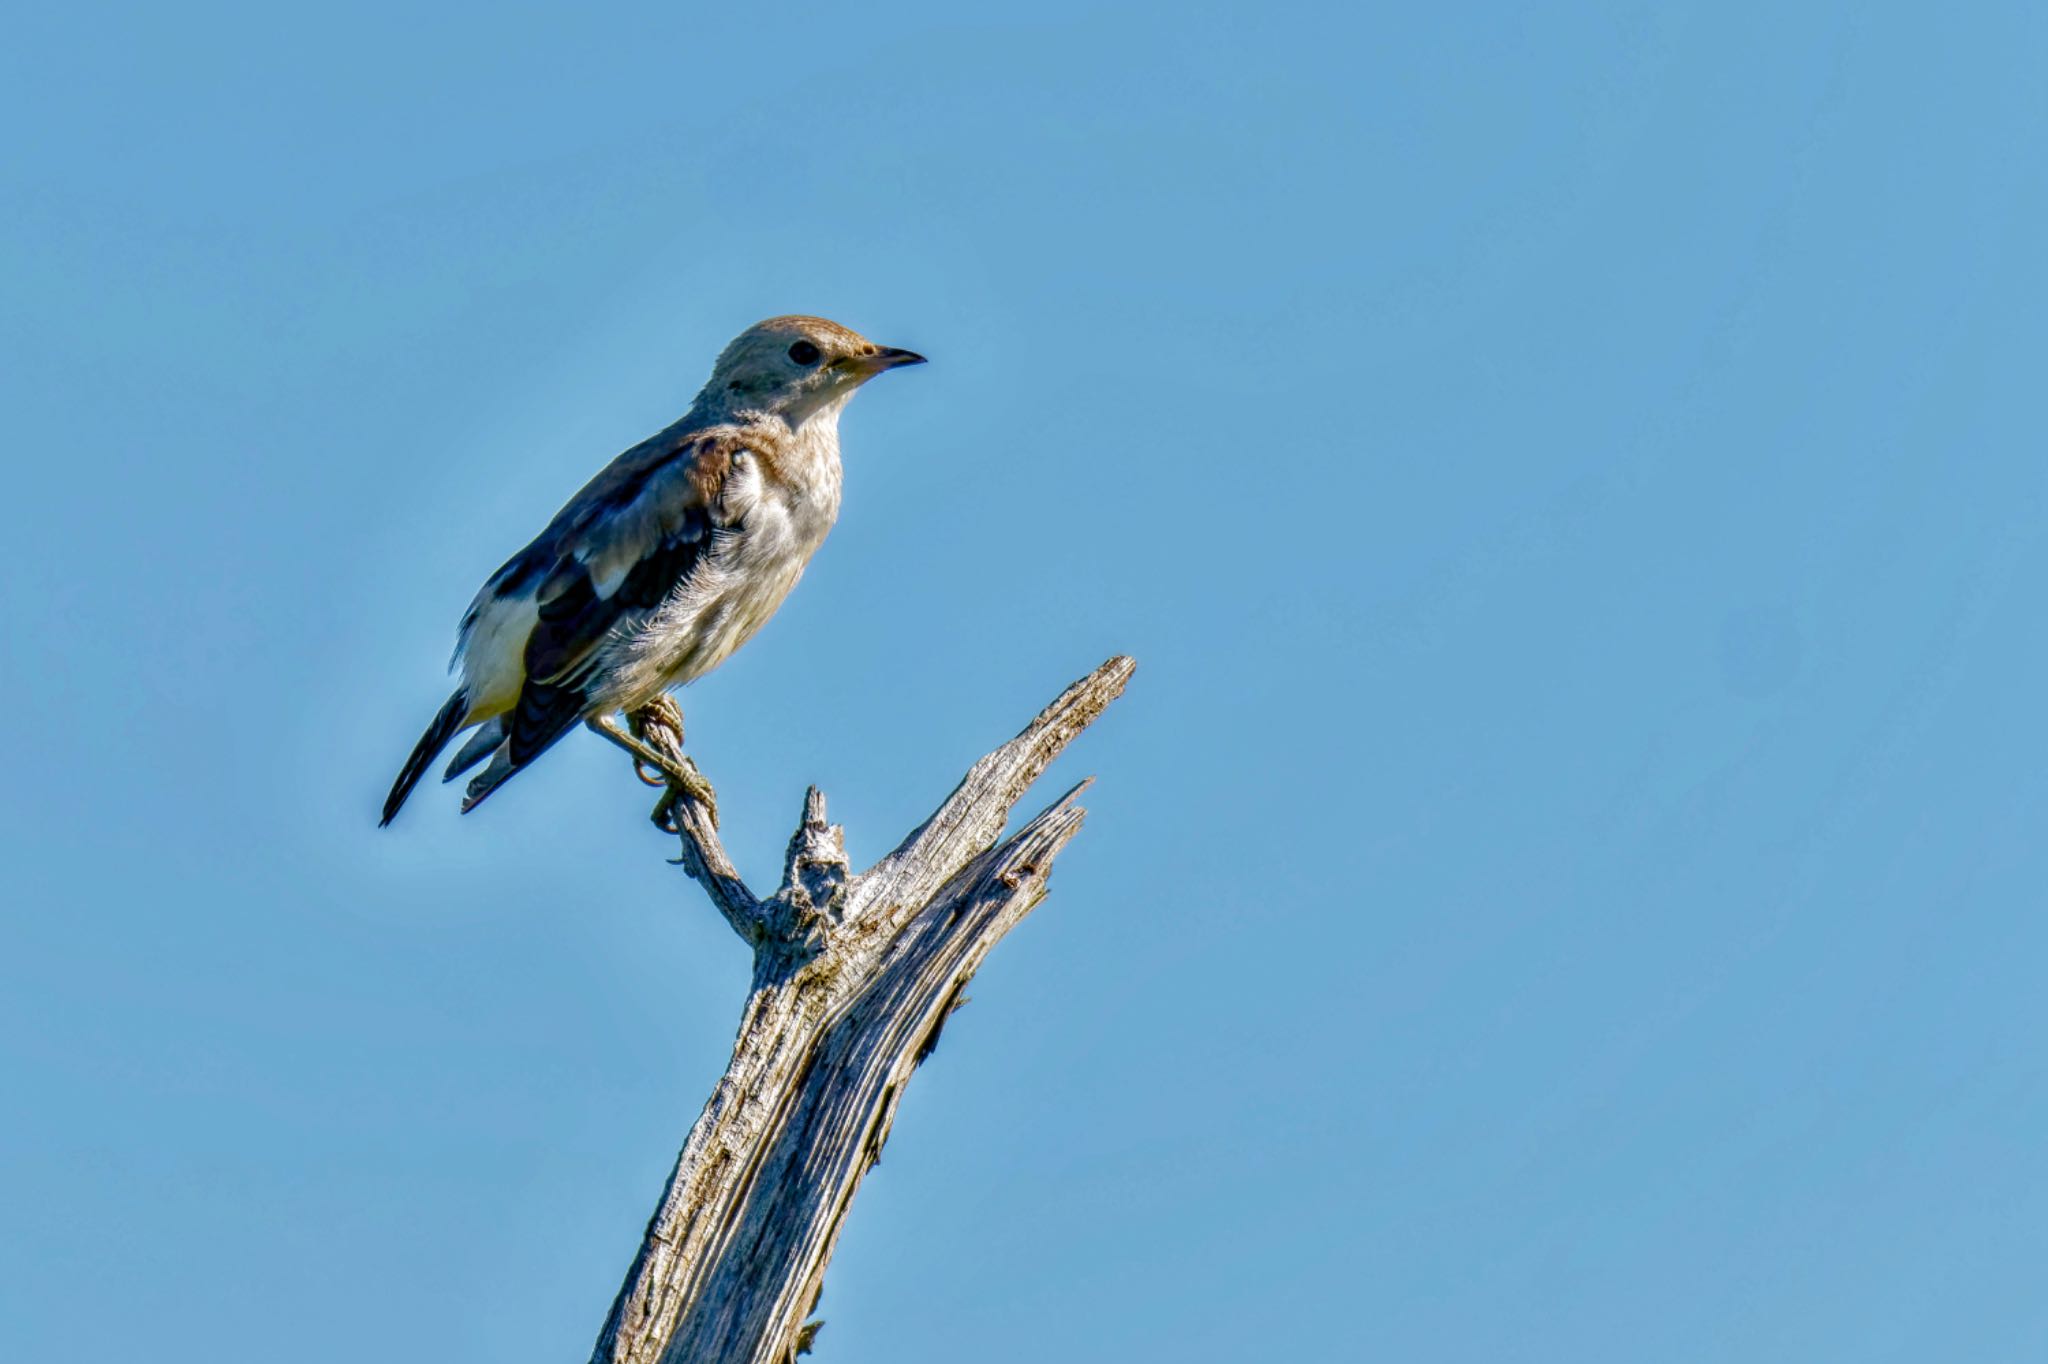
1566,882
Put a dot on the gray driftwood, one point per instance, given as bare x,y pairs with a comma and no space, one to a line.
853,979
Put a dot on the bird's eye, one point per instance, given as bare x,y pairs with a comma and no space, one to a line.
803,352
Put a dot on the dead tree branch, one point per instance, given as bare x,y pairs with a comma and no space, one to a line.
853,979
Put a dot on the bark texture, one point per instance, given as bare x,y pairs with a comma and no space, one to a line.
853,978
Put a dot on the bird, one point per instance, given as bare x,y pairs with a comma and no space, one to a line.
667,561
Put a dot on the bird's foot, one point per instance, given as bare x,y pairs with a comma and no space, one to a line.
660,723
656,743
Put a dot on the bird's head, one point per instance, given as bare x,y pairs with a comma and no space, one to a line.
796,368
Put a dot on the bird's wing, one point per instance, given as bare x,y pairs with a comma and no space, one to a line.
626,556
603,567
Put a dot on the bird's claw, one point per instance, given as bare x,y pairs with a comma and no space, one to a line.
684,780
655,743
661,719
659,724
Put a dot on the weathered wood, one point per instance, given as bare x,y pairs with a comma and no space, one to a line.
853,979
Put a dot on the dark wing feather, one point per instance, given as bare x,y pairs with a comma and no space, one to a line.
613,556
543,715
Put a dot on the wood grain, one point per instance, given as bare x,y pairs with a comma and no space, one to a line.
853,977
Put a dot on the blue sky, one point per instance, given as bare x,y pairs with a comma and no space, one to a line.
1565,882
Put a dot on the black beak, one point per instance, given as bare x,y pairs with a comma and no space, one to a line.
885,357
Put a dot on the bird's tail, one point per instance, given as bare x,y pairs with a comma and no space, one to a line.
543,715
425,751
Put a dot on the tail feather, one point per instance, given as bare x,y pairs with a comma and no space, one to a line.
423,754
490,779
488,736
505,765
545,712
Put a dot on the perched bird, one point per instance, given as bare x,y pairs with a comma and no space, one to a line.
666,562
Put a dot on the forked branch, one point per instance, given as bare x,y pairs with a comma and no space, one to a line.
854,976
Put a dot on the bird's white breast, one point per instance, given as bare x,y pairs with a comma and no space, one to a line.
775,525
